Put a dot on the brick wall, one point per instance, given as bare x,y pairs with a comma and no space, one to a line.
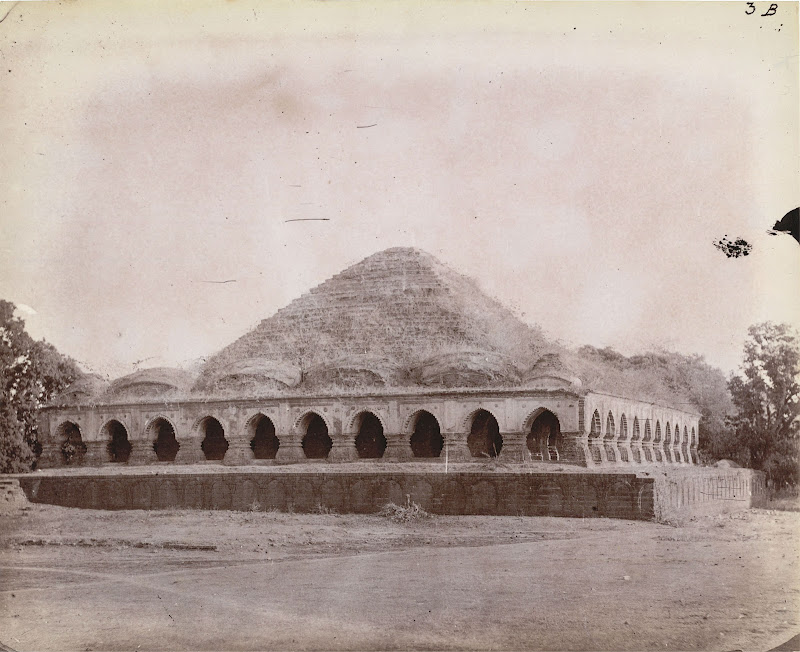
667,495
576,495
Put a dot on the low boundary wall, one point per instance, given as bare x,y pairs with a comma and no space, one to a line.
689,492
658,495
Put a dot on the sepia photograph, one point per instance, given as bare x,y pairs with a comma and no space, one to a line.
399,325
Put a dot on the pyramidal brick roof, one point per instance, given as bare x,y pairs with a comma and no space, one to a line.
399,317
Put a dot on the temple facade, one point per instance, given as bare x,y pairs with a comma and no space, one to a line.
555,426
396,359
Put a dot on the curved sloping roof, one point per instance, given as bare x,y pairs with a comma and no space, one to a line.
551,372
353,371
252,375
85,389
158,381
466,369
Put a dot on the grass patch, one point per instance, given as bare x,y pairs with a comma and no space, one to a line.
782,500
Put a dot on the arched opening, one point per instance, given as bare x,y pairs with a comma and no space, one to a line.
426,440
165,444
594,435
658,432
484,438
119,448
594,430
648,434
317,443
263,442
544,437
214,444
666,443
636,436
694,437
611,430
622,449
370,441
72,447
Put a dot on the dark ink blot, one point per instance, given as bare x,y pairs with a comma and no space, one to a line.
734,248
789,224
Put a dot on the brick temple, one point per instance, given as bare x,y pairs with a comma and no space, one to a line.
397,358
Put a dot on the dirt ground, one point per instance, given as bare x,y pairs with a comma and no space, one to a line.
92,580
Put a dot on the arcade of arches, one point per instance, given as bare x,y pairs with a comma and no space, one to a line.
512,427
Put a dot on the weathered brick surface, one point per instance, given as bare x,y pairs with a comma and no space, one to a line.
395,308
664,495
681,492
526,494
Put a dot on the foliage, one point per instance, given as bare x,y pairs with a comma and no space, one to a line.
72,449
15,454
767,400
31,374
403,514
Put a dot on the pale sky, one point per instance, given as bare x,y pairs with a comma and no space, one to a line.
577,159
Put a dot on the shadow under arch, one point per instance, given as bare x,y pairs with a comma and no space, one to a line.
544,437
214,444
263,441
316,443
426,437
73,449
484,439
118,445
370,441
165,444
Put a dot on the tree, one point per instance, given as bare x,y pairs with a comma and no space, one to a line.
31,374
767,400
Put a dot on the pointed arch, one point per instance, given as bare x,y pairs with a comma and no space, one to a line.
636,435
316,442
117,443
623,427
595,428
426,437
161,431
73,449
529,419
214,444
648,433
657,439
370,441
611,430
544,437
484,439
263,441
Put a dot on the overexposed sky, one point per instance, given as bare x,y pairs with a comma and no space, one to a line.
577,159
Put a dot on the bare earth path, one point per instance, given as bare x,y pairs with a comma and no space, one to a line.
89,580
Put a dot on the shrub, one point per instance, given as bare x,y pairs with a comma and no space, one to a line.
403,514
